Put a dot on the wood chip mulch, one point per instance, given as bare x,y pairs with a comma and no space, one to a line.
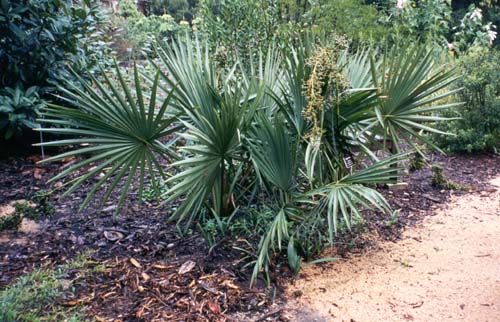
150,273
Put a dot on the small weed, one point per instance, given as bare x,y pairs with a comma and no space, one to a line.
26,210
394,219
39,205
155,192
440,181
417,162
12,221
44,205
405,263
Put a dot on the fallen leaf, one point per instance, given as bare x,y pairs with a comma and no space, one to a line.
71,303
68,159
157,266
113,235
187,267
214,307
417,304
109,208
135,263
230,284
145,277
139,313
108,294
38,173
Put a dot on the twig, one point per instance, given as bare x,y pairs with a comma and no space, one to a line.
265,316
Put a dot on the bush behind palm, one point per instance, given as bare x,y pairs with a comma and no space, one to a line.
478,128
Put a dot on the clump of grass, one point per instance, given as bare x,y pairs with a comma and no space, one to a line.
38,206
37,295
43,204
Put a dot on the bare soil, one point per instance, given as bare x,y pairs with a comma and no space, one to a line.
446,269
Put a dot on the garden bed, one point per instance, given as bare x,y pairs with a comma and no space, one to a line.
150,272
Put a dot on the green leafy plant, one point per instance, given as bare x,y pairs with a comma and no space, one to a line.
288,139
12,221
439,180
121,128
40,39
18,110
477,127
418,162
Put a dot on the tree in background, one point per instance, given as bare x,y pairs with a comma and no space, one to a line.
179,9
139,33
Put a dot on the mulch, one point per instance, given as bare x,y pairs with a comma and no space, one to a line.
154,274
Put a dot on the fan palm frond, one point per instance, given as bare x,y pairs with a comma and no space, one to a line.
120,130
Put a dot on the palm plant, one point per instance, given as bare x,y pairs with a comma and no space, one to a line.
122,131
280,132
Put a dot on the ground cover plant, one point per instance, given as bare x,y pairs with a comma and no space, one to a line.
292,137
39,296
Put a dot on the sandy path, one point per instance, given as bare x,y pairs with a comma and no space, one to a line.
446,270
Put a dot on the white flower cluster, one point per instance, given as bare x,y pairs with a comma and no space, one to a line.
476,14
492,35
401,4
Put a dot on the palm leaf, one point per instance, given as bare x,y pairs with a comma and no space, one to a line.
345,198
121,130
411,92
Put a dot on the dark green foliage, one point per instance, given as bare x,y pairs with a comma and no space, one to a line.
438,178
26,210
40,37
242,28
417,162
39,40
478,129
359,22
179,9
12,221
18,110
38,206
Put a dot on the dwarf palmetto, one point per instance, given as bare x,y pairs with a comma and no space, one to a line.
244,135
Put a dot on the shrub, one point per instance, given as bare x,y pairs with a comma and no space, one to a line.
478,129
436,24
439,180
245,27
39,41
353,19
179,9
18,110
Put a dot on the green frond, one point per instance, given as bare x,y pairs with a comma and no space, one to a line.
112,126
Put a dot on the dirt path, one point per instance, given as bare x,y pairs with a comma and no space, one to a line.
446,270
